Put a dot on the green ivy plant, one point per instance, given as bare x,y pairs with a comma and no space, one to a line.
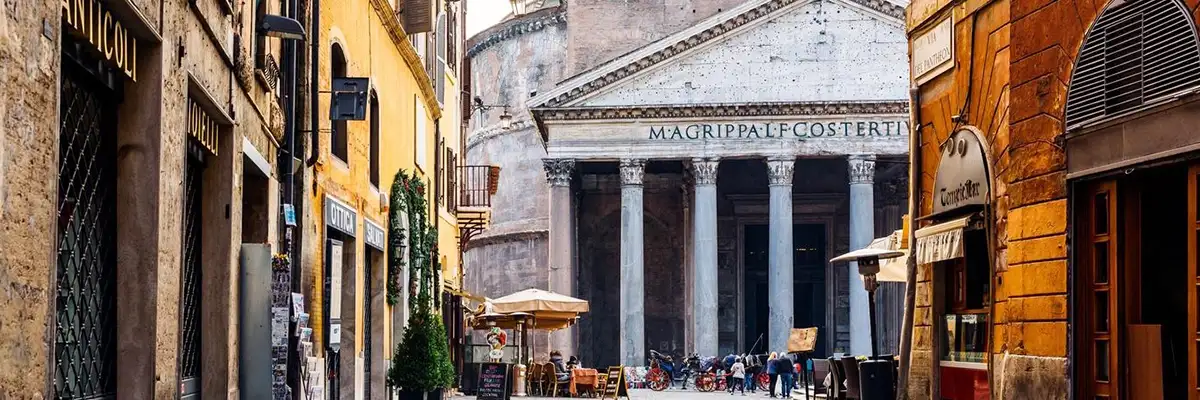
422,358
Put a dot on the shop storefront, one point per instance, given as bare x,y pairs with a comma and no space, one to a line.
374,365
341,231
956,250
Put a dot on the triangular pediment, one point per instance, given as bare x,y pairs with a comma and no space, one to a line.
763,51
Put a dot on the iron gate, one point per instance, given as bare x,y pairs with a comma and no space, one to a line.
85,351
190,293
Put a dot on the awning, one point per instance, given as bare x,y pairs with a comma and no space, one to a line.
941,242
891,269
465,294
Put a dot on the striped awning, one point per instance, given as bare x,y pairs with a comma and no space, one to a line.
941,242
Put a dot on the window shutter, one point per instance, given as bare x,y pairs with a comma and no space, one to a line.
1137,53
439,67
417,16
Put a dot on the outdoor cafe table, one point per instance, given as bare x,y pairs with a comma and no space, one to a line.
586,377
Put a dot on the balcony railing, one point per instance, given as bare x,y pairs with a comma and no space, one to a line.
477,184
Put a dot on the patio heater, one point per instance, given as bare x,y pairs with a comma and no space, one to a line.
876,377
520,331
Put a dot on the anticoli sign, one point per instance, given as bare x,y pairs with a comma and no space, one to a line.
91,21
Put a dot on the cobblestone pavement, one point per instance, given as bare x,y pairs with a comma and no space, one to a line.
645,394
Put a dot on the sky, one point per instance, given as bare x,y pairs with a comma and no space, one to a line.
482,14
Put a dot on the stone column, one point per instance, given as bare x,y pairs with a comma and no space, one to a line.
780,253
561,260
633,285
862,231
704,255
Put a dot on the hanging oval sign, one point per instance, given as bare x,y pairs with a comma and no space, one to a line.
962,176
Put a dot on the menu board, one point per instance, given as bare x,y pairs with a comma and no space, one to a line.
493,382
615,385
802,340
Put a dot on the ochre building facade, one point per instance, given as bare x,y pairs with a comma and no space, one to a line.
1053,140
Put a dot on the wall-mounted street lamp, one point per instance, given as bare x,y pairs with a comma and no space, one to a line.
505,117
281,27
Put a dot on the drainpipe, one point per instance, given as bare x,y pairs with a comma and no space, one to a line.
910,289
314,123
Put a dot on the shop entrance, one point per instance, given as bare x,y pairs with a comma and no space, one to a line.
808,287
1135,274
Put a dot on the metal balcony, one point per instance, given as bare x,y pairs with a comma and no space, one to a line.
476,185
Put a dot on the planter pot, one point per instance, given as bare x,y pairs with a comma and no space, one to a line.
414,395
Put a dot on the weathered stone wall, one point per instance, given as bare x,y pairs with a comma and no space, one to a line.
509,63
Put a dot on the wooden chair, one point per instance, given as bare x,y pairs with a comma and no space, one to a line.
533,379
850,367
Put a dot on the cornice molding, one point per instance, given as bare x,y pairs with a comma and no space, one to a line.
497,130
723,110
391,24
513,28
593,80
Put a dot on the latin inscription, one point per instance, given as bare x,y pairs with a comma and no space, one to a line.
92,22
780,130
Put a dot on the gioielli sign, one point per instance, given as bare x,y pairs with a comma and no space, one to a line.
92,22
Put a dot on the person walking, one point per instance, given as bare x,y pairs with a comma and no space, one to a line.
737,373
753,367
727,365
787,373
771,372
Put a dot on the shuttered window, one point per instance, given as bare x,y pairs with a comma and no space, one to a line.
1138,52
438,73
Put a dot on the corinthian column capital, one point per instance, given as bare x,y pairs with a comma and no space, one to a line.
862,169
559,170
780,170
633,170
704,170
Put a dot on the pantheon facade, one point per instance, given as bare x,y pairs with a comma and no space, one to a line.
690,169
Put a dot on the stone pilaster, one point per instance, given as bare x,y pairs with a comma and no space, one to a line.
862,231
633,286
562,249
705,284
781,320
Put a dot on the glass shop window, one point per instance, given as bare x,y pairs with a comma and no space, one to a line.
967,283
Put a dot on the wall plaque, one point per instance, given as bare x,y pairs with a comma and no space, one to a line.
373,234
933,51
962,174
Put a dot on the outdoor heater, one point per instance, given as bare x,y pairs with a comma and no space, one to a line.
868,266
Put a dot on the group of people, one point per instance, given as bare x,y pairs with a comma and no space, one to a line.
780,368
562,370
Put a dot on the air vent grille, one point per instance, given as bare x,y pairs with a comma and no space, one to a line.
1138,52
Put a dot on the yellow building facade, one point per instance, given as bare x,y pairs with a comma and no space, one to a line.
412,124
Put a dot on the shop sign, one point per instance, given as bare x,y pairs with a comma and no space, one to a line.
779,130
933,51
92,22
962,174
340,216
374,235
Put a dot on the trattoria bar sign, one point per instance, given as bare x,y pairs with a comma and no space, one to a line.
92,22
962,174
780,130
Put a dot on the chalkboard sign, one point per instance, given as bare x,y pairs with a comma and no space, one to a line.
615,385
493,382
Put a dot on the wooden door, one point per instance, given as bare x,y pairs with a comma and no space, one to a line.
1098,289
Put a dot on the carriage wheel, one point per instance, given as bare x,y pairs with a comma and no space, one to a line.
657,380
764,381
706,382
722,383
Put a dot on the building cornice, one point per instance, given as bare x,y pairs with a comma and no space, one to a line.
497,130
716,27
764,109
506,30
391,23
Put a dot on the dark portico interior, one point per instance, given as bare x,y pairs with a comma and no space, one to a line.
821,217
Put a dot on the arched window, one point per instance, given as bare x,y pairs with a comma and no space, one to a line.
374,149
338,132
1138,53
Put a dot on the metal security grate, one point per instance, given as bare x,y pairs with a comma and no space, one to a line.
85,304
190,294
1138,52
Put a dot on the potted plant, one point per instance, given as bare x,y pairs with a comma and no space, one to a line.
421,367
